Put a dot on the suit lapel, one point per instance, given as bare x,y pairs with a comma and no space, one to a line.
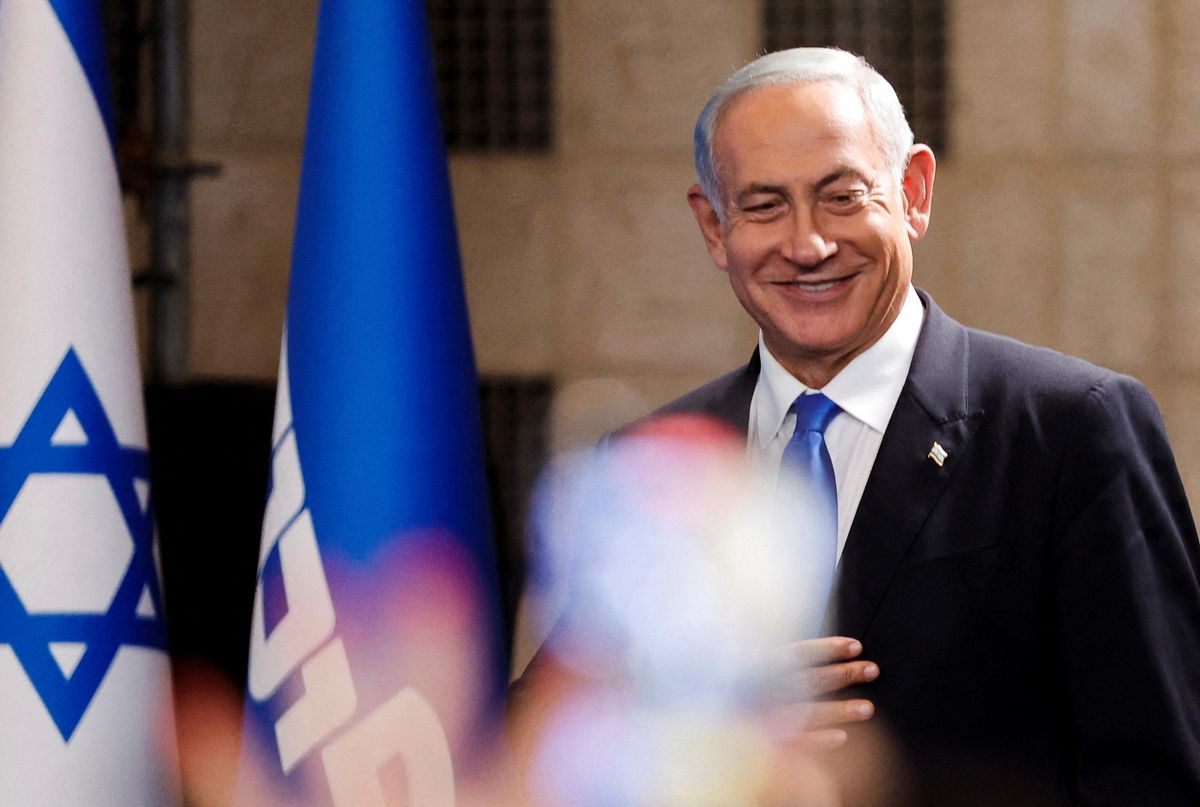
906,479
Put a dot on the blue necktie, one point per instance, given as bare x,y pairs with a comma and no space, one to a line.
807,458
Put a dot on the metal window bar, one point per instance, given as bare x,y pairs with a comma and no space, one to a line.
905,40
494,72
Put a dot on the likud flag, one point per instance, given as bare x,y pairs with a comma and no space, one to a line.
374,654
85,694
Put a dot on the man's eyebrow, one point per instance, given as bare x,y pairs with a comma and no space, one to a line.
842,173
759,187
837,175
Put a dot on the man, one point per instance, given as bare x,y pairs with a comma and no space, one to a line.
1016,552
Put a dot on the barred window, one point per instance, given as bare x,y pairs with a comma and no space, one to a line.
515,415
905,40
494,72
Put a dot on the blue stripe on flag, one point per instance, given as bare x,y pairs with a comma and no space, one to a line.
384,390
78,19
382,364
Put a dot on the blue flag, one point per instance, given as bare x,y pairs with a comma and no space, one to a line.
375,654
85,691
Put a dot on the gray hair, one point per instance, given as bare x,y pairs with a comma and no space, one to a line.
801,66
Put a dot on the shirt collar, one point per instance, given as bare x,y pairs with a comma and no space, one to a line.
867,388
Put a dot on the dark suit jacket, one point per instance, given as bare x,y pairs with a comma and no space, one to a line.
1034,602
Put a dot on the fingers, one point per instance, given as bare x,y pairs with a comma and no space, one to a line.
784,661
808,669
825,714
817,721
825,650
805,685
834,677
822,739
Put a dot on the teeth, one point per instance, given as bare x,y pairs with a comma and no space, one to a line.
815,286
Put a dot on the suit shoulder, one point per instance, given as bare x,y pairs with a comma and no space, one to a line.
702,398
726,398
1005,365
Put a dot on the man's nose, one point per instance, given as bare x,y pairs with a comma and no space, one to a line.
807,244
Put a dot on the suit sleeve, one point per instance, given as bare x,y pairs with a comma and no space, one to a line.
1126,600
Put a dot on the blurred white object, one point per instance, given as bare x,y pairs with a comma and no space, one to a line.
583,412
685,572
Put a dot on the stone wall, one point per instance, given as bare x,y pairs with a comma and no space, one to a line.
1065,210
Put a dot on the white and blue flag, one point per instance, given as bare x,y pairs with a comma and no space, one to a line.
375,656
85,695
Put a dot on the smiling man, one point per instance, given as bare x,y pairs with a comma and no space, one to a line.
1014,548
813,221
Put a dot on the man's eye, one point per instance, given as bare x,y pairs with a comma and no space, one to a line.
846,198
762,207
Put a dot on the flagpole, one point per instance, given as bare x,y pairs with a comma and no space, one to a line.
171,217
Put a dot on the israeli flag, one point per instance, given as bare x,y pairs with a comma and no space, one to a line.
85,697
375,658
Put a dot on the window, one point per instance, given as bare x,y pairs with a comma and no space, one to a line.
515,415
493,61
905,40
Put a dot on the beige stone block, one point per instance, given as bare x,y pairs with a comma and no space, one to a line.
713,337
1005,65
1110,65
1112,268
1009,249
251,64
641,291
937,257
241,246
1183,77
1181,315
506,210
1180,404
586,409
662,387
634,75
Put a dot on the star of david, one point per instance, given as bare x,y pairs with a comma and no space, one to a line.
135,615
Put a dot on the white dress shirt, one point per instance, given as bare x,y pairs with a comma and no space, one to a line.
866,390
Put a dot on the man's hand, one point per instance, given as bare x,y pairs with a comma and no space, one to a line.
800,678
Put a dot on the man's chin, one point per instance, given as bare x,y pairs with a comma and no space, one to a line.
811,360
812,344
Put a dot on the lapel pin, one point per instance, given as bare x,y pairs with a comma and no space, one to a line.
938,454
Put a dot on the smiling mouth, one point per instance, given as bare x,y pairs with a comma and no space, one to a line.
814,286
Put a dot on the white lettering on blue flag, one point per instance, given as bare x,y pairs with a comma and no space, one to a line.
302,652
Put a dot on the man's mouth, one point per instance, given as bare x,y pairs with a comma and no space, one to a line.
814,286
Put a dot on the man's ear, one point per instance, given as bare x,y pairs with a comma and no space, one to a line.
918,189
710,225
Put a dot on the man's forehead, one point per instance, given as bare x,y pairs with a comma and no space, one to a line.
815,109
780,134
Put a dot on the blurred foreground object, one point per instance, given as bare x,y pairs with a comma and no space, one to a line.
85,693
687,569
688,575
375,661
